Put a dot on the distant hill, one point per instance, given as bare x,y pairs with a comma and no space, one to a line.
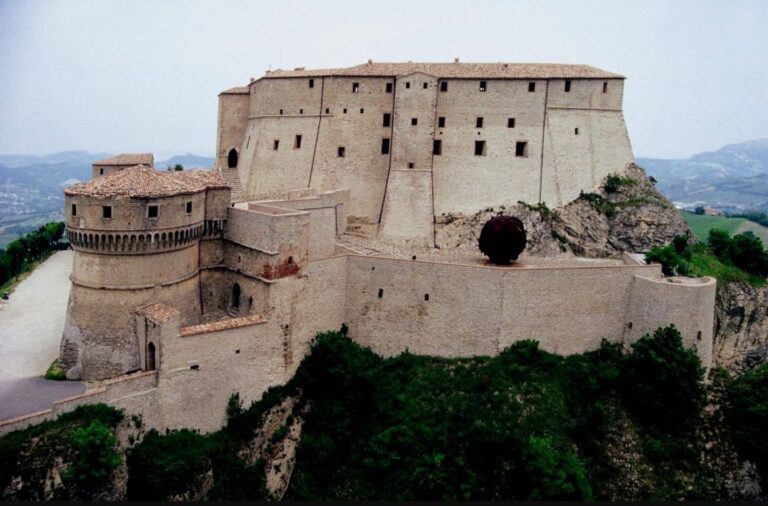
732,178
188,161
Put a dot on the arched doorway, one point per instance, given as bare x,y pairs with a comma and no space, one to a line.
232,158
236,296
151,365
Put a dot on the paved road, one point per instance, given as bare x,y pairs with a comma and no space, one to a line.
31,323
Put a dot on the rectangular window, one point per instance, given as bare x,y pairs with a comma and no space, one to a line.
362,110
327,111
414,121
605,86
344,111
152,212
341,151
531,86
407,85
521,149
479,148
74,209
106,211
301,111
441,122
385,146
101,172
389,88
576,131
281,112
387,119
355,87
410,165
437,147
426,86
311,83
188,207
297,142
510,122
275,144
479,122
567,85
483,85
443,85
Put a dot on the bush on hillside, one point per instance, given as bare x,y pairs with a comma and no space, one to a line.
745,251
96,454
747,415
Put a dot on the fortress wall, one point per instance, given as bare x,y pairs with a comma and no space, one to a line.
211,253
573,162
216,203
218,293
686,302
413,143
586,94
408,212
481,310
465,183
269,229
233,118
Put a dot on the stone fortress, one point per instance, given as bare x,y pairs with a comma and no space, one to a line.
190,286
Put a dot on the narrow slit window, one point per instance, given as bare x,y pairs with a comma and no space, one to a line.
605,86
531,87
407,85
344,111
341,151
74,209
381,292
385,146
443,86
152,212
362,110
426,85
389,87
479,148
301,111
101,172
106,211
521,149
414,121
297,142
355,87
275,145
479,122
188,207
437,147
327,111
281,112
567,85
387,119
426,297
510,122
441,122
576,131
483,85
311,83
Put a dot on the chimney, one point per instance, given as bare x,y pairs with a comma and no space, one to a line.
455,60
370,62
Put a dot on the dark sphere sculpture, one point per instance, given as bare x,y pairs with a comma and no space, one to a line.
502,239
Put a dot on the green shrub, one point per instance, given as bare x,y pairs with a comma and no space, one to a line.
671,260
96,454
614,182
746,412
54,373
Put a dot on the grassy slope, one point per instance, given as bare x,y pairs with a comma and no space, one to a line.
702,224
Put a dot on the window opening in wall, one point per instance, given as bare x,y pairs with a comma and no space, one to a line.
385,146
281,112
387,118
531,86
248,142
521,148
407,85
355,87
362,110
567,85
410,165
483,85
344,111
443,85
479,122
479,148
341,151
106,211
437,147
275,144
195,367
426,297
576,131
414,121
232,158
605,87
389,87
101,172
426,85
381,292
311,83
151,359
236,295
327,111
290,260
297,142
152,212
301,111
510,122
441,122
74,209
698,336
188,207
629,325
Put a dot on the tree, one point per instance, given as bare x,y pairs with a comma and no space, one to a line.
699,210
96,456
746,412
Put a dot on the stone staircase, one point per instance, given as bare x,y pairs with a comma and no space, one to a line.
232,177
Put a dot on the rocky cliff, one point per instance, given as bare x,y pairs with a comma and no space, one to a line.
741,326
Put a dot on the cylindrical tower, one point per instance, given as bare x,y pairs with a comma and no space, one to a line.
136,236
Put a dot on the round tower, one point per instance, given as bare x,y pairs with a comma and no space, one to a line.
136,237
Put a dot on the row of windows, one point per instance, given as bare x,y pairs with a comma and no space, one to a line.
521,149
444,86
153,211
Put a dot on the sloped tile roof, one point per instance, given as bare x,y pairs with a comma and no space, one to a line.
142,181
237,90
128,159
157,312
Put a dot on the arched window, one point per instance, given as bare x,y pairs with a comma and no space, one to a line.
151,357
236,295
232,158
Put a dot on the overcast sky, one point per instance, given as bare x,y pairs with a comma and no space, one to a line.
122,76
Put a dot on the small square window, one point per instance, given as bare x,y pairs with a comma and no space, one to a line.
521,149
443,85
385,146
414,121
410,165
479,122
301,111
389,87
106,211
531,86
341,152
74,209
567,85
152,212
407,85
605,86
426,85
576,131
387,119
101,172
281,112
437,147
510,122
188,207
344,111
483,85
441,122
362,110
355,87
311,83
479,148
327,111
297,142
275,144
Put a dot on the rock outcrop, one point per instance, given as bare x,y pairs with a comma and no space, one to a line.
741,326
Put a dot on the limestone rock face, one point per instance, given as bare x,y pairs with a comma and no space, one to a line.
741,326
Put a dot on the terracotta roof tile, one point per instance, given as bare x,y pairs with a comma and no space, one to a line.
237,90
128,159
230,323
157,313
459,70
145,182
